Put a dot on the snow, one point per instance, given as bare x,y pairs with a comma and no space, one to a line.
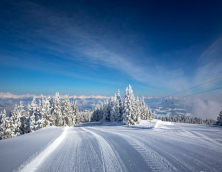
162,124
14,151
96,146
153,123
31,166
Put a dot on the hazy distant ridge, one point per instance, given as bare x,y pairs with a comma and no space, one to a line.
8,95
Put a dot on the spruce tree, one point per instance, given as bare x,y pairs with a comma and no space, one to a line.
142,108
120,106
76,113
219,119
138,110
3,125
57,110
67,111
113,108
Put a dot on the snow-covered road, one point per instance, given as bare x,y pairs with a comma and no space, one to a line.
113,147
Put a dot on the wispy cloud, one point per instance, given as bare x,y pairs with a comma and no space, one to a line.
94,44
69,39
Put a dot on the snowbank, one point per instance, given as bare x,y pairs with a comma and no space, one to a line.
162,124
154,123
14,151
146,124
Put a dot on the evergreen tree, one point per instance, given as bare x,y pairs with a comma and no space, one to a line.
67,111
142,108
105,111
129,117
119,106
138,110
76,113
219,119
150,113
34,115
41,103
73,113
21,119
28,125
16,121
57,110
3,125
10,130
113,108
46,114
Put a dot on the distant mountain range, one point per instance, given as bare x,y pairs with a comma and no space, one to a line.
8,95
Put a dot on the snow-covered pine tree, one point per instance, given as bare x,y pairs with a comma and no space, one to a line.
138,110
41,103
73,113
150,113
42,113
10,130
119,106
21,118
16,120
76,113
89,113
105,111
129,107
34,115
118,111
57,110
142,108
3,125
110,104
126,107
134,112
94,114
146,113
28,120
51,107
67,111
219,119
101,112
113,108
46,114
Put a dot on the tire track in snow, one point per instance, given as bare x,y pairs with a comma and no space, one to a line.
185,159
79,152
109,159
153,159
128,157
37,161
192,159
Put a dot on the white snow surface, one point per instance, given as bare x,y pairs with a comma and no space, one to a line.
17,150
164,146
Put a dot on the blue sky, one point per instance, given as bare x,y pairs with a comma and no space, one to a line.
96,47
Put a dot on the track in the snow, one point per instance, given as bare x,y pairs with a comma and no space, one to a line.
180,147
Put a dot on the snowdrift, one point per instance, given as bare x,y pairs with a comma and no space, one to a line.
162,124
154,123
146,124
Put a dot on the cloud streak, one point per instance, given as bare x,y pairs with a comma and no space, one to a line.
94,44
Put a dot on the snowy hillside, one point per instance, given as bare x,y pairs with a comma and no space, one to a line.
14,151
114,147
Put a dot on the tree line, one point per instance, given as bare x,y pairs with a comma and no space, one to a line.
130,111
37,116
187,119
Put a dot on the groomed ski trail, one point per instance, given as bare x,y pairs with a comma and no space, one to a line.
37,161
92,147
110,162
